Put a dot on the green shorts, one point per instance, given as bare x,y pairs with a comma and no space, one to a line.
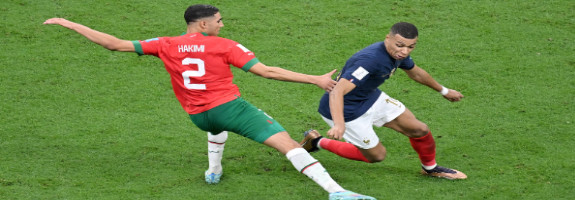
238,116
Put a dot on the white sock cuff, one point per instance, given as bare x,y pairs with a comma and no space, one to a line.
301,159
294,152
429,167
219,138
318,142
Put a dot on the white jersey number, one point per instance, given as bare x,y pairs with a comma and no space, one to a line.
194,73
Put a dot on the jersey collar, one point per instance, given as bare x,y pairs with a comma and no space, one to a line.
203,33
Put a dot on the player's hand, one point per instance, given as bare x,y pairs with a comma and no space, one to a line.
336,132
59,21
453,95
325,81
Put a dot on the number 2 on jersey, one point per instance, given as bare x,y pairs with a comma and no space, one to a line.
194,73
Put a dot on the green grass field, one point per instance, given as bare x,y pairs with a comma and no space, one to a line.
80,122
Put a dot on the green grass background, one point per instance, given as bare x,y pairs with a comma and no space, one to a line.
80,122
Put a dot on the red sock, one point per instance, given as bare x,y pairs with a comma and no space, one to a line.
425,147
342,149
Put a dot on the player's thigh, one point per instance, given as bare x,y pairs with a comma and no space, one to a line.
253,122
385,110
408,124
241,117
359,132
393,114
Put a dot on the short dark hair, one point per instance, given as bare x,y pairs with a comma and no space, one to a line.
199,11
404,29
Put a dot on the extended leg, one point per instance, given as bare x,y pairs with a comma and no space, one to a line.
313,142
309,166
216,144
423,143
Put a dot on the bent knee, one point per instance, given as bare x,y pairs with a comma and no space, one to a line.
418,131
376,158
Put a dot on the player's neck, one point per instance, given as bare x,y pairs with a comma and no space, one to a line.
192,29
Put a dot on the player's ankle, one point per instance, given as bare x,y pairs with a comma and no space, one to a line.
316,142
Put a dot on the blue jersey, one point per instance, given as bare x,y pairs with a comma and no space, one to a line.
367,69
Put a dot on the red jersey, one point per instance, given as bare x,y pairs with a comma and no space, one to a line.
199,67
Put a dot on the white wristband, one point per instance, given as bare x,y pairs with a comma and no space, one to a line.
444,90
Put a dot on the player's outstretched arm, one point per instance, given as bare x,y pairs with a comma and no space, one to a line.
421,76
105,40
324,82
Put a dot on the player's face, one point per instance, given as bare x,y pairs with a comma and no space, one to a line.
213,25
399,47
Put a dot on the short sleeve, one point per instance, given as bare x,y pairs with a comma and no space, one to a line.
147,47
407,63
358,72
241,57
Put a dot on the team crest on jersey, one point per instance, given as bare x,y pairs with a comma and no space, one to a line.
390,74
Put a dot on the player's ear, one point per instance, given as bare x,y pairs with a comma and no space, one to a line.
202,24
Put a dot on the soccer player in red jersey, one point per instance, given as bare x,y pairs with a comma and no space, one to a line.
199,66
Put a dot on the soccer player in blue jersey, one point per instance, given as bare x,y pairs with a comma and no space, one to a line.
356,104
